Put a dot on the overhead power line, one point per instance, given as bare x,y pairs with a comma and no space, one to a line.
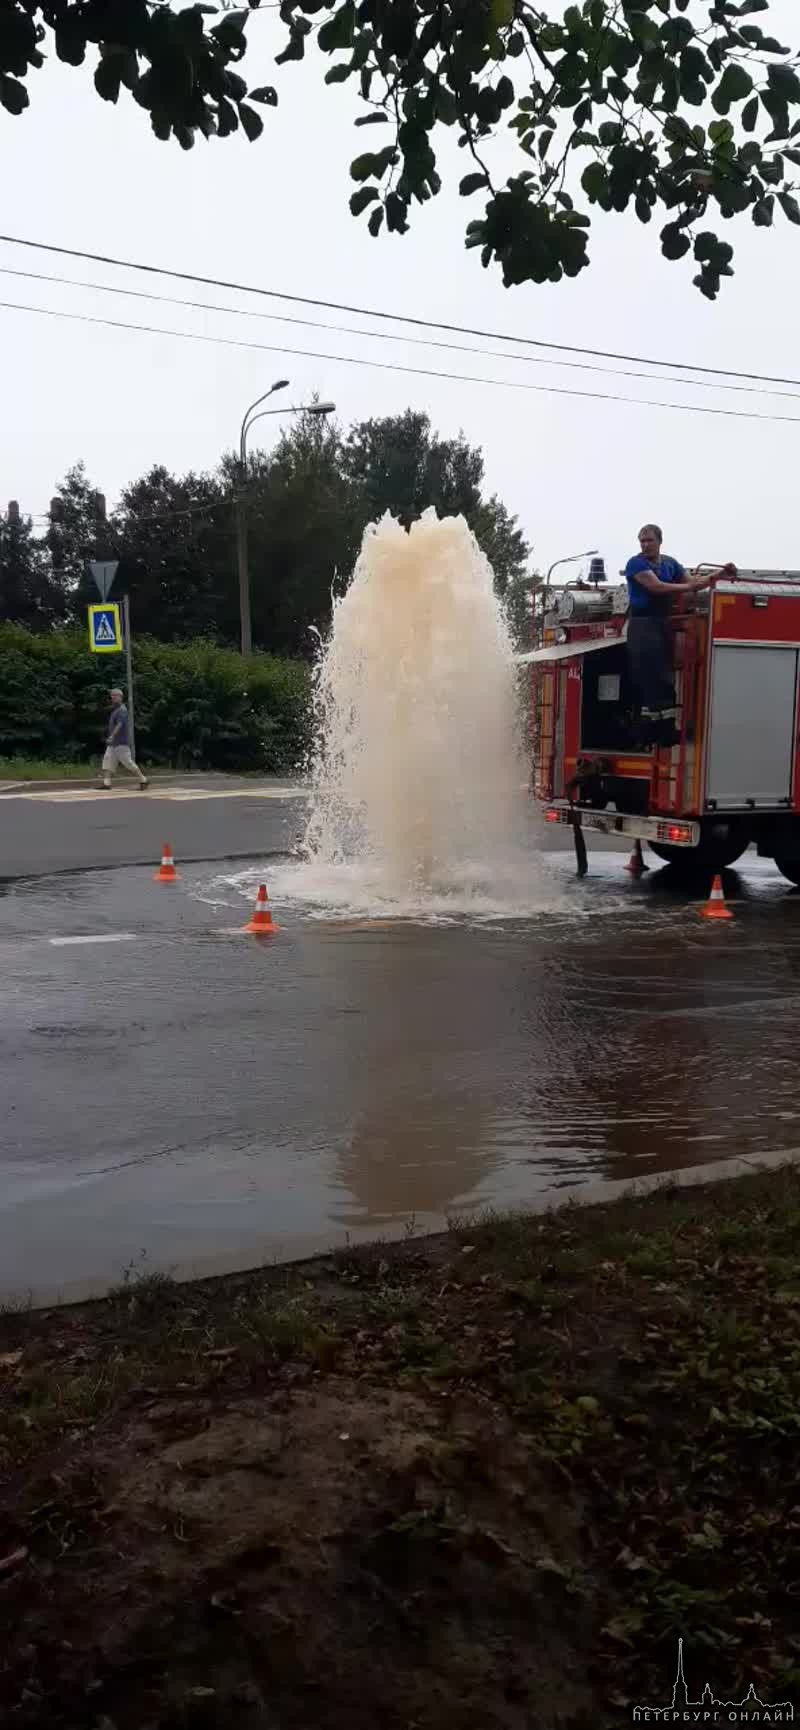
393,366
395,317
392,335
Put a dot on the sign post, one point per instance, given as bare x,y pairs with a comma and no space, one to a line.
103,572
126,619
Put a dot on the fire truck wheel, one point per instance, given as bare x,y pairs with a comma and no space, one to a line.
713,854
789,868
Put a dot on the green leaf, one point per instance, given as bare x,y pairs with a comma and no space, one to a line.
594,180
373,163
675,242
338,74
252,123
734,85
396,214
763,212
785,82
338,31
374,224
107,80
777,110
359,200
379,119
720,132
266,93
472,183
295,48
789,206
13,96
234,86
749,115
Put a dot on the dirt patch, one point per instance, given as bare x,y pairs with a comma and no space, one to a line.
483,1480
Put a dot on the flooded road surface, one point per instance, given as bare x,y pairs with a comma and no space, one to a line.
191,1097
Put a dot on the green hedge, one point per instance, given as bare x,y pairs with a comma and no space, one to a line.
197,706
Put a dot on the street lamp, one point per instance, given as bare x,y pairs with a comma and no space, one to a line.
305,408
569,559
241,521
316,408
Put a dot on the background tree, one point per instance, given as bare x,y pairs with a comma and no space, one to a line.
398,464
308,503
306,521
76,533
685,108
173,538
29,593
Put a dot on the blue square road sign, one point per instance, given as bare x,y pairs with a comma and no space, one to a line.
105,631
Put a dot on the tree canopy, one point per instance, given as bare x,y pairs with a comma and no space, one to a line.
308,502
682,109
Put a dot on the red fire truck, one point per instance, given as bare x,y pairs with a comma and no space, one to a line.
732,779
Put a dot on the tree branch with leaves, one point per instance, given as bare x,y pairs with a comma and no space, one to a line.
685,110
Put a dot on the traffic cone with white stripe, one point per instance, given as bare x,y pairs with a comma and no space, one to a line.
636,864
262,923
715,907
167,872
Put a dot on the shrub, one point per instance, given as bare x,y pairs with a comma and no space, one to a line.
197,706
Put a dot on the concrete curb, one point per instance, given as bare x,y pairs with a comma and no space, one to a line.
307,1249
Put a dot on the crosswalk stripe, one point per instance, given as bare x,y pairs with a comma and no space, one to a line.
176,795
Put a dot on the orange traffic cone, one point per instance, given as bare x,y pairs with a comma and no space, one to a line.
167,872
715,906
636,864
262,923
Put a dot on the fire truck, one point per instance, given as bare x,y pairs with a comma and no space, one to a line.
732,778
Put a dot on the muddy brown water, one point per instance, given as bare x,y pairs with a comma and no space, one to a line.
191,1100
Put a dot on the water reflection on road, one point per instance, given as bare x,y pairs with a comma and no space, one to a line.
206,1099
502,1062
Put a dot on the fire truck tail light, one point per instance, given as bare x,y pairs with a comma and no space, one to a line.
679,833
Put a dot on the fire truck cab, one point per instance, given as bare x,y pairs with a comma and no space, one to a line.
732,779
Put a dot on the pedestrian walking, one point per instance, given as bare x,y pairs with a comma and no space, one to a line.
118,743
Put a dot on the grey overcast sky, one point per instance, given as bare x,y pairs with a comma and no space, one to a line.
79,172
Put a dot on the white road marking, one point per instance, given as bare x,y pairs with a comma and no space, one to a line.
109,937
87,795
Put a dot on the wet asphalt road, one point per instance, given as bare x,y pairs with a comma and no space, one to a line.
208,817
183,1094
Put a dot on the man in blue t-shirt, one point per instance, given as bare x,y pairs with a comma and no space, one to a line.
653,580
118,743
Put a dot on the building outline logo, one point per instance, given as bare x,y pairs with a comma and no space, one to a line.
709,1710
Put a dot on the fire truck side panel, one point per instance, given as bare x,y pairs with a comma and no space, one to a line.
769,619
751,617
751,728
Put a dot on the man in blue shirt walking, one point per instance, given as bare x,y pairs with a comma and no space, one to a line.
118,743
653,580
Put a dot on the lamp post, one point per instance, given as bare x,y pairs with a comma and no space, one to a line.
315,408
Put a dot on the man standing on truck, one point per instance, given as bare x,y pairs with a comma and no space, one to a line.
653,580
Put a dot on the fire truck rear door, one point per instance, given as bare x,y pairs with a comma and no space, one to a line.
751,726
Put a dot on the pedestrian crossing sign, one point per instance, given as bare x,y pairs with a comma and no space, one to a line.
105,632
